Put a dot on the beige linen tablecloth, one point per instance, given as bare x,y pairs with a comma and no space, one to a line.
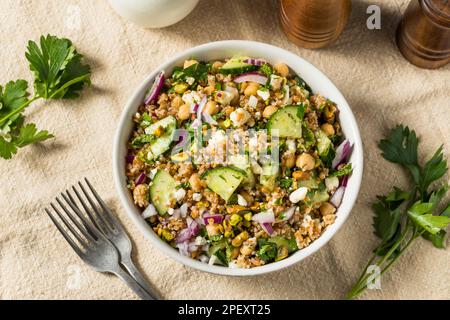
382,88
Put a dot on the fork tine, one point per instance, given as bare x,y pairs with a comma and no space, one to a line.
88,228
64,234
102,203
105,223
69,225
85,207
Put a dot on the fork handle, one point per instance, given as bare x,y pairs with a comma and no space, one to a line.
137,275
144,295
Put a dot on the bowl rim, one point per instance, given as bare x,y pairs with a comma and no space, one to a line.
233,45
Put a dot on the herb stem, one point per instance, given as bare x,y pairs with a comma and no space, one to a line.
19,109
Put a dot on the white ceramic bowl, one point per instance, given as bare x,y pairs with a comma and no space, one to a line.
220,50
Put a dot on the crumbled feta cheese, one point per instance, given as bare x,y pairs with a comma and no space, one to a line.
332,183
239,117
291,145
197,196
241,201
200,241
275,82
179,194
170,211
213,260
153,173
190,81
252,101
150,211
264,94
298,195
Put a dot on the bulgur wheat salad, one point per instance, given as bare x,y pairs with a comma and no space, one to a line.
237,162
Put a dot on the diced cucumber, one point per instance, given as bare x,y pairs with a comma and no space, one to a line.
291,244
162,143
269,176
311,183
161,191
236,65
224,180
323,143
320,196
242,162
285,123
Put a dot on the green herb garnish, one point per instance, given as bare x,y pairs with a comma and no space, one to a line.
58,74
403,216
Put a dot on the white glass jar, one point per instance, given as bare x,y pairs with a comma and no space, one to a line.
153,13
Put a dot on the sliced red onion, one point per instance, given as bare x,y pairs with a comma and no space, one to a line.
255,62
209,119
251,77
287,214
217,218
344,181
129,159
342,153
183,247
196,123
201,106
183,138
192,230
193,108
140,179
155,89
264,217
267,227
337,197
150,211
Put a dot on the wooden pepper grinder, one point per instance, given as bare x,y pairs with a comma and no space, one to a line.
313,23
423,35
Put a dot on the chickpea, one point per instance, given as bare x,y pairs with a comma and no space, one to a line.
184,112
214,229
300,175
189,63
209,90
269,111
327,208
290,160
305,162
211,108
195,182
282,69
217,65
176,102
251,89
328,129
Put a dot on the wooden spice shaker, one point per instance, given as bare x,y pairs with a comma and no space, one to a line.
423,35
313,23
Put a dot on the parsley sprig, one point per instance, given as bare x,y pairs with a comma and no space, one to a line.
58,74
403,216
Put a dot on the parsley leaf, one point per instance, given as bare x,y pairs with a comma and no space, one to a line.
343,171
266,69
400,147
59,74
419,213
57,67
433,170
12,97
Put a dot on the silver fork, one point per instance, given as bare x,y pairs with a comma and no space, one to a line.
90,244
102,217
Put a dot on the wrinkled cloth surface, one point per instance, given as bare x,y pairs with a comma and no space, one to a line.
382,88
